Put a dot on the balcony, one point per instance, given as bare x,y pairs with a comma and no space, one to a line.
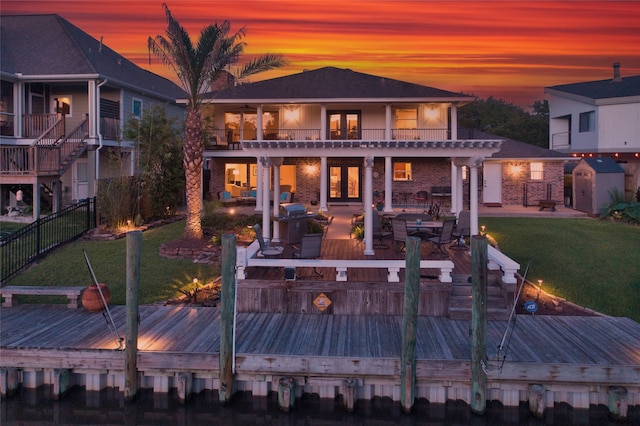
561,141
219,139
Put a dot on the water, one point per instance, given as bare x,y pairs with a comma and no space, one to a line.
107,407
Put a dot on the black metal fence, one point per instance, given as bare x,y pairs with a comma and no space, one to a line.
27,245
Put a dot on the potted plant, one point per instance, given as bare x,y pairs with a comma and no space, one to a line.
379,205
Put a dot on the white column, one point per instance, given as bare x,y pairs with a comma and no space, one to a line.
454,122
369,211
387,122
36,201
258,185
460,189
454,189
323,122
276,199
388,185
259,128
18,108
474,197
266,223
93,107
323,184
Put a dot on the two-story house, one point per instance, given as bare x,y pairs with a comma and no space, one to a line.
64,98
334,136
599,119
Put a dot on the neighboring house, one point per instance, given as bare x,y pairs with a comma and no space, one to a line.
599,119
522,174
336,136
63,101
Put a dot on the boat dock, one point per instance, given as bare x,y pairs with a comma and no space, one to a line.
580,361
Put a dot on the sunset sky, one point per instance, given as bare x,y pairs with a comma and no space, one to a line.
505,49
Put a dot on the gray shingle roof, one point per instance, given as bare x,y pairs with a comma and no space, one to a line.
513,149
49,45
603,165
334,83
603,89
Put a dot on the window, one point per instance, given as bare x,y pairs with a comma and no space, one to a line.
136,107
401,171
62,105
406,119
536,171
587,121
406,124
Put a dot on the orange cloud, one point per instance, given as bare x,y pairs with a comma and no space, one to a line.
507,49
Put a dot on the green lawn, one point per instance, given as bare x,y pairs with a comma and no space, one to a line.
593,263
590,262
160,278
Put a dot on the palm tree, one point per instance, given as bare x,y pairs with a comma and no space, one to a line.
197,66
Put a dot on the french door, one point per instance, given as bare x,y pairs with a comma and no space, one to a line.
344,125
344,183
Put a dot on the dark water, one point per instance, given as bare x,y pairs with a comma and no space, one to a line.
107,407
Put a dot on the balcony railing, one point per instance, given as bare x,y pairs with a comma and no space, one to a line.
110,128
230,139
36,124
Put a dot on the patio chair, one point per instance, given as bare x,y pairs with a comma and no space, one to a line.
310,248
445,236
421,198
400,233
379,233
266,249
462,230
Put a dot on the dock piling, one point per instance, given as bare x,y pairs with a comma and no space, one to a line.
349,394
618,402
410,323
537,400
479,259
286,393
227,313
134,247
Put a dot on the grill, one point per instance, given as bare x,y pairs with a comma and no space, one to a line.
292,210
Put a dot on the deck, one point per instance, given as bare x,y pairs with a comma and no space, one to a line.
576,358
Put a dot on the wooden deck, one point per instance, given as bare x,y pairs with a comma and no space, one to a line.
576,358
353,249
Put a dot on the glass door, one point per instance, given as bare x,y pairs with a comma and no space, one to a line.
344,125
344,183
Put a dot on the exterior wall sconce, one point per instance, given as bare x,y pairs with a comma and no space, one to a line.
291,114
431,113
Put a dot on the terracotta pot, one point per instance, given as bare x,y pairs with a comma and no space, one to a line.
91,299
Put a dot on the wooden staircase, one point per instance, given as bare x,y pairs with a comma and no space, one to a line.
498,308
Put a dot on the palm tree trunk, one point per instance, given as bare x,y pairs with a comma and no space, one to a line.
193,149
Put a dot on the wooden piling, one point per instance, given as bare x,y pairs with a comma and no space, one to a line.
134,247
409,324
61,382
9,382
184,386
227,310
479,259
286,393
349,394
618,402
537,400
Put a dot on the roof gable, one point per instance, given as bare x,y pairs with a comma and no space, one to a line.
49,45
334,83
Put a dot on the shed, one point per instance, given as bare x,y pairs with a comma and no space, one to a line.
593,179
